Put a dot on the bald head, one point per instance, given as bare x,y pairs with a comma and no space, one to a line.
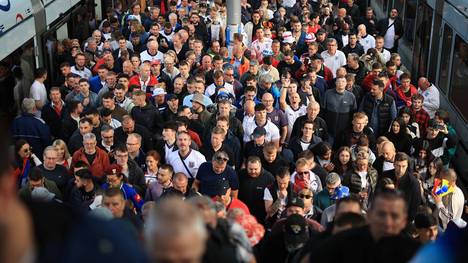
423,83
388,151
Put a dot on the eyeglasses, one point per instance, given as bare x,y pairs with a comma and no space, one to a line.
27,150
221,159
304,196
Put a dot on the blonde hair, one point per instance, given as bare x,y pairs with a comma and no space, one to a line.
61,143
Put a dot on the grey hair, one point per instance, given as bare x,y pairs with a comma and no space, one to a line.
89,136
28,105
136,135
173,217
332,178
49,148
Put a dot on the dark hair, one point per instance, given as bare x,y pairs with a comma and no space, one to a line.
172,125
85,119
105,112
408,111
260,107
121,148
39,73
401,122
401,156
350,218
35,174
348,199
379,83
111,192
283,172
390,195
108,95
80,164
155,156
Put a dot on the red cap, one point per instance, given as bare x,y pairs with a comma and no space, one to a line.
114,169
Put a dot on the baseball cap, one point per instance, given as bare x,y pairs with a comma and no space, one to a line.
218,187
288,38
259,131
425,220
113,169
267,52
316,56
310,38
223,96
41,194
340,192
159,91
198,98
155,62
295,232
295,202
171,96
434,125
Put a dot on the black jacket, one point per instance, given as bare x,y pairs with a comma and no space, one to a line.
296,147
147,138
409,185
320,127
136,177
357,245
149,117
383,25
54,120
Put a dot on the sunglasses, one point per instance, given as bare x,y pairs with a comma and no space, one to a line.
27,150
303,173
304,196
221,159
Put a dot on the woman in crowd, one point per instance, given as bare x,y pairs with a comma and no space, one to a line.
64,157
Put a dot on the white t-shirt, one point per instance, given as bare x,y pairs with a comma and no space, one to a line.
210,90
386,55
272,131
363,176
389,38
387,166
292,115
367,42
192,161
85,73
334,62
38,92
146,56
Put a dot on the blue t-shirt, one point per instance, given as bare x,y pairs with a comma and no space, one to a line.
209,179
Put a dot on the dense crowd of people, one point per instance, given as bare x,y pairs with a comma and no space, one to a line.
299,138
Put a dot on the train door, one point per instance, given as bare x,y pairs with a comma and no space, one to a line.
421,43
445,57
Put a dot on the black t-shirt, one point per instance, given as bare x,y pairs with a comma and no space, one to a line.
251,191
59,176
276,165
90,158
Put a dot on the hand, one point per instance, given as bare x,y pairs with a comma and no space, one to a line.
437,198
85,101
194,116
363,195
329,167
283,194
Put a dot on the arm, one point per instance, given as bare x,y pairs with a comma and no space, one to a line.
196,185
282,99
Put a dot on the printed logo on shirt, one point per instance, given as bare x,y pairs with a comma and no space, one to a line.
191,164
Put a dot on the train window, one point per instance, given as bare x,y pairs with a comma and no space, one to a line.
432,74
459,91
422,39
445,59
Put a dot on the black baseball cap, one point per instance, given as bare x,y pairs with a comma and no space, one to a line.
171,96
294,201
217,187
295,232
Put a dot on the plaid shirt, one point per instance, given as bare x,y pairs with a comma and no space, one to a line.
421,117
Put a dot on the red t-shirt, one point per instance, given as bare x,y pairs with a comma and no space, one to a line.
236,203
